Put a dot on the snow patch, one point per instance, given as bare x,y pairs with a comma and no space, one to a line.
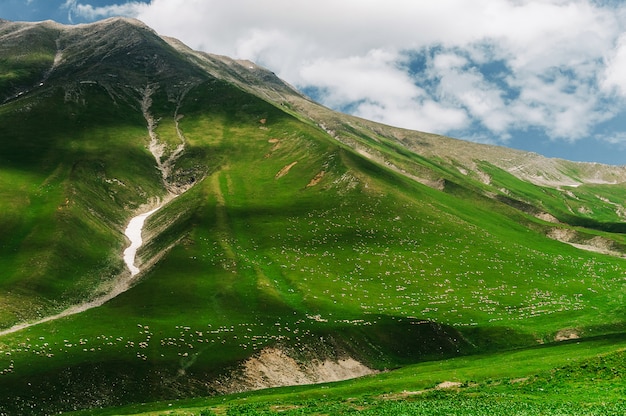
133,232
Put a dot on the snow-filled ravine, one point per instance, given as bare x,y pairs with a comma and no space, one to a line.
120,285
133,233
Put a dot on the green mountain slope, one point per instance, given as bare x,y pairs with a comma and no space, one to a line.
297,245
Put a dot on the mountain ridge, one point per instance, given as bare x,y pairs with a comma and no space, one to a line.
243,74
614,174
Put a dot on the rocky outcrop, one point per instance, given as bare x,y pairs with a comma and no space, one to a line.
275,367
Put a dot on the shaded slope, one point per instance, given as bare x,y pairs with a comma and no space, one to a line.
545,380
74,157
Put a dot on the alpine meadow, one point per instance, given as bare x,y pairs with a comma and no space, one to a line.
295,260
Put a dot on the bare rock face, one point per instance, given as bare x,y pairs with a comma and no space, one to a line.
566,334
273,367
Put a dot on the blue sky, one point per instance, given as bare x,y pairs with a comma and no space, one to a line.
36,10
547,76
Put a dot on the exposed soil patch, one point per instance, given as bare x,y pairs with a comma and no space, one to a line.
566,334
285,170
448,385
547,217
518,380
400,396
273,367
316,179
277,145
563,235
406,394
597,244
484,177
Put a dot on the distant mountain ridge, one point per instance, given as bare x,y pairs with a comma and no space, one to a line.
260,81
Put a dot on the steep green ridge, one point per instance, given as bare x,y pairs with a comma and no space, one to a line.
327,238
86,166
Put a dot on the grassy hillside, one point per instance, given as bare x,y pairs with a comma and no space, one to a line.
319,245
544,380
71,174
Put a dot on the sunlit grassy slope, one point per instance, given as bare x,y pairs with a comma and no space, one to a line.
291,237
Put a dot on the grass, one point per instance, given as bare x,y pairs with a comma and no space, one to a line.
76,190
544,380
366,250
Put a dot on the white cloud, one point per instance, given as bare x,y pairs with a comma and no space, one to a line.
91,13
381,90
559,63
369,77
614,77
425,115
464,86
617,139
